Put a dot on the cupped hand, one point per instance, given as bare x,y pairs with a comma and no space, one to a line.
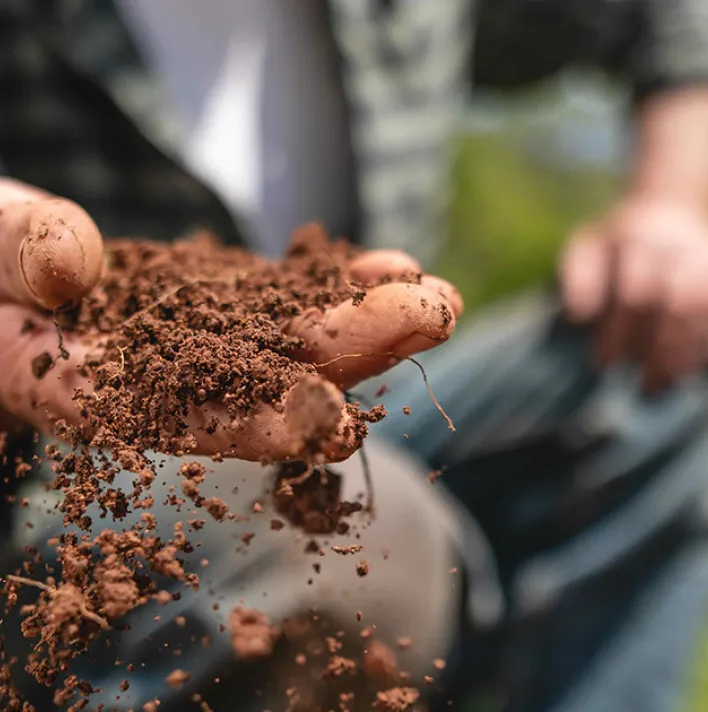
641,276
51,255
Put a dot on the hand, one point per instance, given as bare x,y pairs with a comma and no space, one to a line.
51,254
642,277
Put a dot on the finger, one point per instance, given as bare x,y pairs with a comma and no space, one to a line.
15,191
638,287
351,343
313,422
51,252
584,275
445,290
37,384
394,264
638,284
373,266
702,333
675,350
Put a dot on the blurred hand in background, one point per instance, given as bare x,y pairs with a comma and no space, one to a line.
640,274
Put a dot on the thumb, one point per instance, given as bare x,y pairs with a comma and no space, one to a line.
584,274
51,252
36,386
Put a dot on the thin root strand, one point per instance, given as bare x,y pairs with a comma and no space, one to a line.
440,409
450,424
63,353
85,612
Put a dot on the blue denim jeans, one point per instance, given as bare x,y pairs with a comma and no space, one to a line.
594,499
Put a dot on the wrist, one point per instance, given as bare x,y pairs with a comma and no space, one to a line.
693,200
671,159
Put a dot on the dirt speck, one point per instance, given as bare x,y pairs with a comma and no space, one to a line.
41,364
177,678
362,568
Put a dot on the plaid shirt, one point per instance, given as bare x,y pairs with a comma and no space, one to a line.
83,117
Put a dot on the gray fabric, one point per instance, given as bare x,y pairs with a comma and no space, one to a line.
406,72
672,51
649,666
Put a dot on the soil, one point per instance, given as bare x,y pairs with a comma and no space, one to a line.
380,662
313,504
397,699
174,328
252,634
195,322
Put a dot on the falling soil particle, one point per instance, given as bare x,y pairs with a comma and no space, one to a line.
314,503
433,476
344,550
339,666
177,678
380,662
362,568
252,635
397,699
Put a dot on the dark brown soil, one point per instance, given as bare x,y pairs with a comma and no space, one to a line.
196,322
172,328
314,503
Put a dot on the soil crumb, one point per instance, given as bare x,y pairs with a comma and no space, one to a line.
252,635
380,662
312,501
177,678
362,568
397,699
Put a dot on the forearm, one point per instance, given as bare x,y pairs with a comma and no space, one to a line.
671,151
669,70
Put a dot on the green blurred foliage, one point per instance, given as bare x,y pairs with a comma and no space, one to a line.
697,695
509,216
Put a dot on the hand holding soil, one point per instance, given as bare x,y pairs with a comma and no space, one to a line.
136,347
196,347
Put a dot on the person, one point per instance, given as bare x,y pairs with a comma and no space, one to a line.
587,483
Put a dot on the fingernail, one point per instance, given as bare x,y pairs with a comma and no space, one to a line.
415,343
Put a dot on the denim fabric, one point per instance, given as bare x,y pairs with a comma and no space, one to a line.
593,497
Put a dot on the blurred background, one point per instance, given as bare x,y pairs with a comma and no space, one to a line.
527,168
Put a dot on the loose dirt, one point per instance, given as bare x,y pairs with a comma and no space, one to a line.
177,330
